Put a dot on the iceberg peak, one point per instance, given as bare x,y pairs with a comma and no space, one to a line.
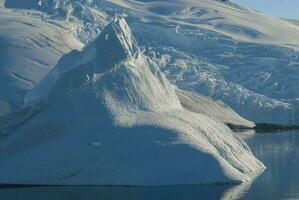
115,43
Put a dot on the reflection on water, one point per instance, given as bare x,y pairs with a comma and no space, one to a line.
246,134
278,151
115,193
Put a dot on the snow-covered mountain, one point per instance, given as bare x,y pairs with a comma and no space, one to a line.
214,48
98,120
29,49
38,39
242,57
204,105
79,15
296,22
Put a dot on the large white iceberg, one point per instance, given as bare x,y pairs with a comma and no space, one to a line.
106,115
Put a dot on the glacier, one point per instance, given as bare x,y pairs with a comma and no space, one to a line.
213,48
218,110
40,36
101,121
29,49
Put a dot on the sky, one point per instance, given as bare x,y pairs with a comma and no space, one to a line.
279,8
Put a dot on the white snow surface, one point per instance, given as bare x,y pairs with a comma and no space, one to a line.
213,109
118,122
29,49
246,59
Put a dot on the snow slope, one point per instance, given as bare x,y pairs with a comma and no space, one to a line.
293,21
29,64
208,107
29,48
244,58
98,120
78,15
213,48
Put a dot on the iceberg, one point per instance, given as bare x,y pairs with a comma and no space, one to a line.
107,115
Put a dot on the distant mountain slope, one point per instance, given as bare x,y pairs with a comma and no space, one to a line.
107,115
242,57
247,59
78,15
29,48
293,21
204,105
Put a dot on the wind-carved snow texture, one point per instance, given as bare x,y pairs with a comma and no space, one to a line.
204,105
29,49
218,49
85,20
131,112
34,43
